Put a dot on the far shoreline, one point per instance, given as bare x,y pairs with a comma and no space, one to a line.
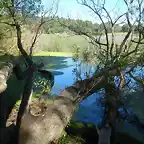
56,54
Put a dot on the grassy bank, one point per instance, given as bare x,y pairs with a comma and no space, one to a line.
57,54
58,43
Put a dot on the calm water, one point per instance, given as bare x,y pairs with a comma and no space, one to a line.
89,110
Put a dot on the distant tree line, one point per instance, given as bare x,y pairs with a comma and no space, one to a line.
55,26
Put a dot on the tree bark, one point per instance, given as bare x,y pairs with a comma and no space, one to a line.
48,127
5,72
104,135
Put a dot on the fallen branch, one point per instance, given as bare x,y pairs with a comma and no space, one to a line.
48,127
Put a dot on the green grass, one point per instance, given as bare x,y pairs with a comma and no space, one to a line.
53,42
71,140
47,42
57,54
62,43
50,44
78,133
118,33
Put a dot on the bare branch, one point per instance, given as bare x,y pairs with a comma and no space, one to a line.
10,24
112,30
138,42
136,79
119,18
139,30
36,35
127,35
35,38
139,23
18,31
42,22
84,33
112,44
108,15
83,2
122,81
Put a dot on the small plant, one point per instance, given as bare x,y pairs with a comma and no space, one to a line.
41,85
76,52
18,103
67,139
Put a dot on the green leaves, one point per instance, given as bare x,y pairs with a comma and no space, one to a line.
41,85
76,52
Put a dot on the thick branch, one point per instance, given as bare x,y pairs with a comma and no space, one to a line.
37,32
53,122
35,38
18,32
136,79
127,35
138,42
10,24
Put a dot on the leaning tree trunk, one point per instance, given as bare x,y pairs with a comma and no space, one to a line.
49,126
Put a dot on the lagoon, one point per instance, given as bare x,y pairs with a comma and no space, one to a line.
62,67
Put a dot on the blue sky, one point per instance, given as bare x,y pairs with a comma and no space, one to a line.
70,8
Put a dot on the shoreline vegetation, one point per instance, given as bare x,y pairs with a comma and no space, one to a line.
62,44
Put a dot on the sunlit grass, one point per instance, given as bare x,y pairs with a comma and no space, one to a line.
118,33
57,54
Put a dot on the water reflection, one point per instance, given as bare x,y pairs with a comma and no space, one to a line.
88,110
52,62
66,79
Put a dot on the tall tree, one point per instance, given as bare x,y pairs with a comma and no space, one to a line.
15,13
112,55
